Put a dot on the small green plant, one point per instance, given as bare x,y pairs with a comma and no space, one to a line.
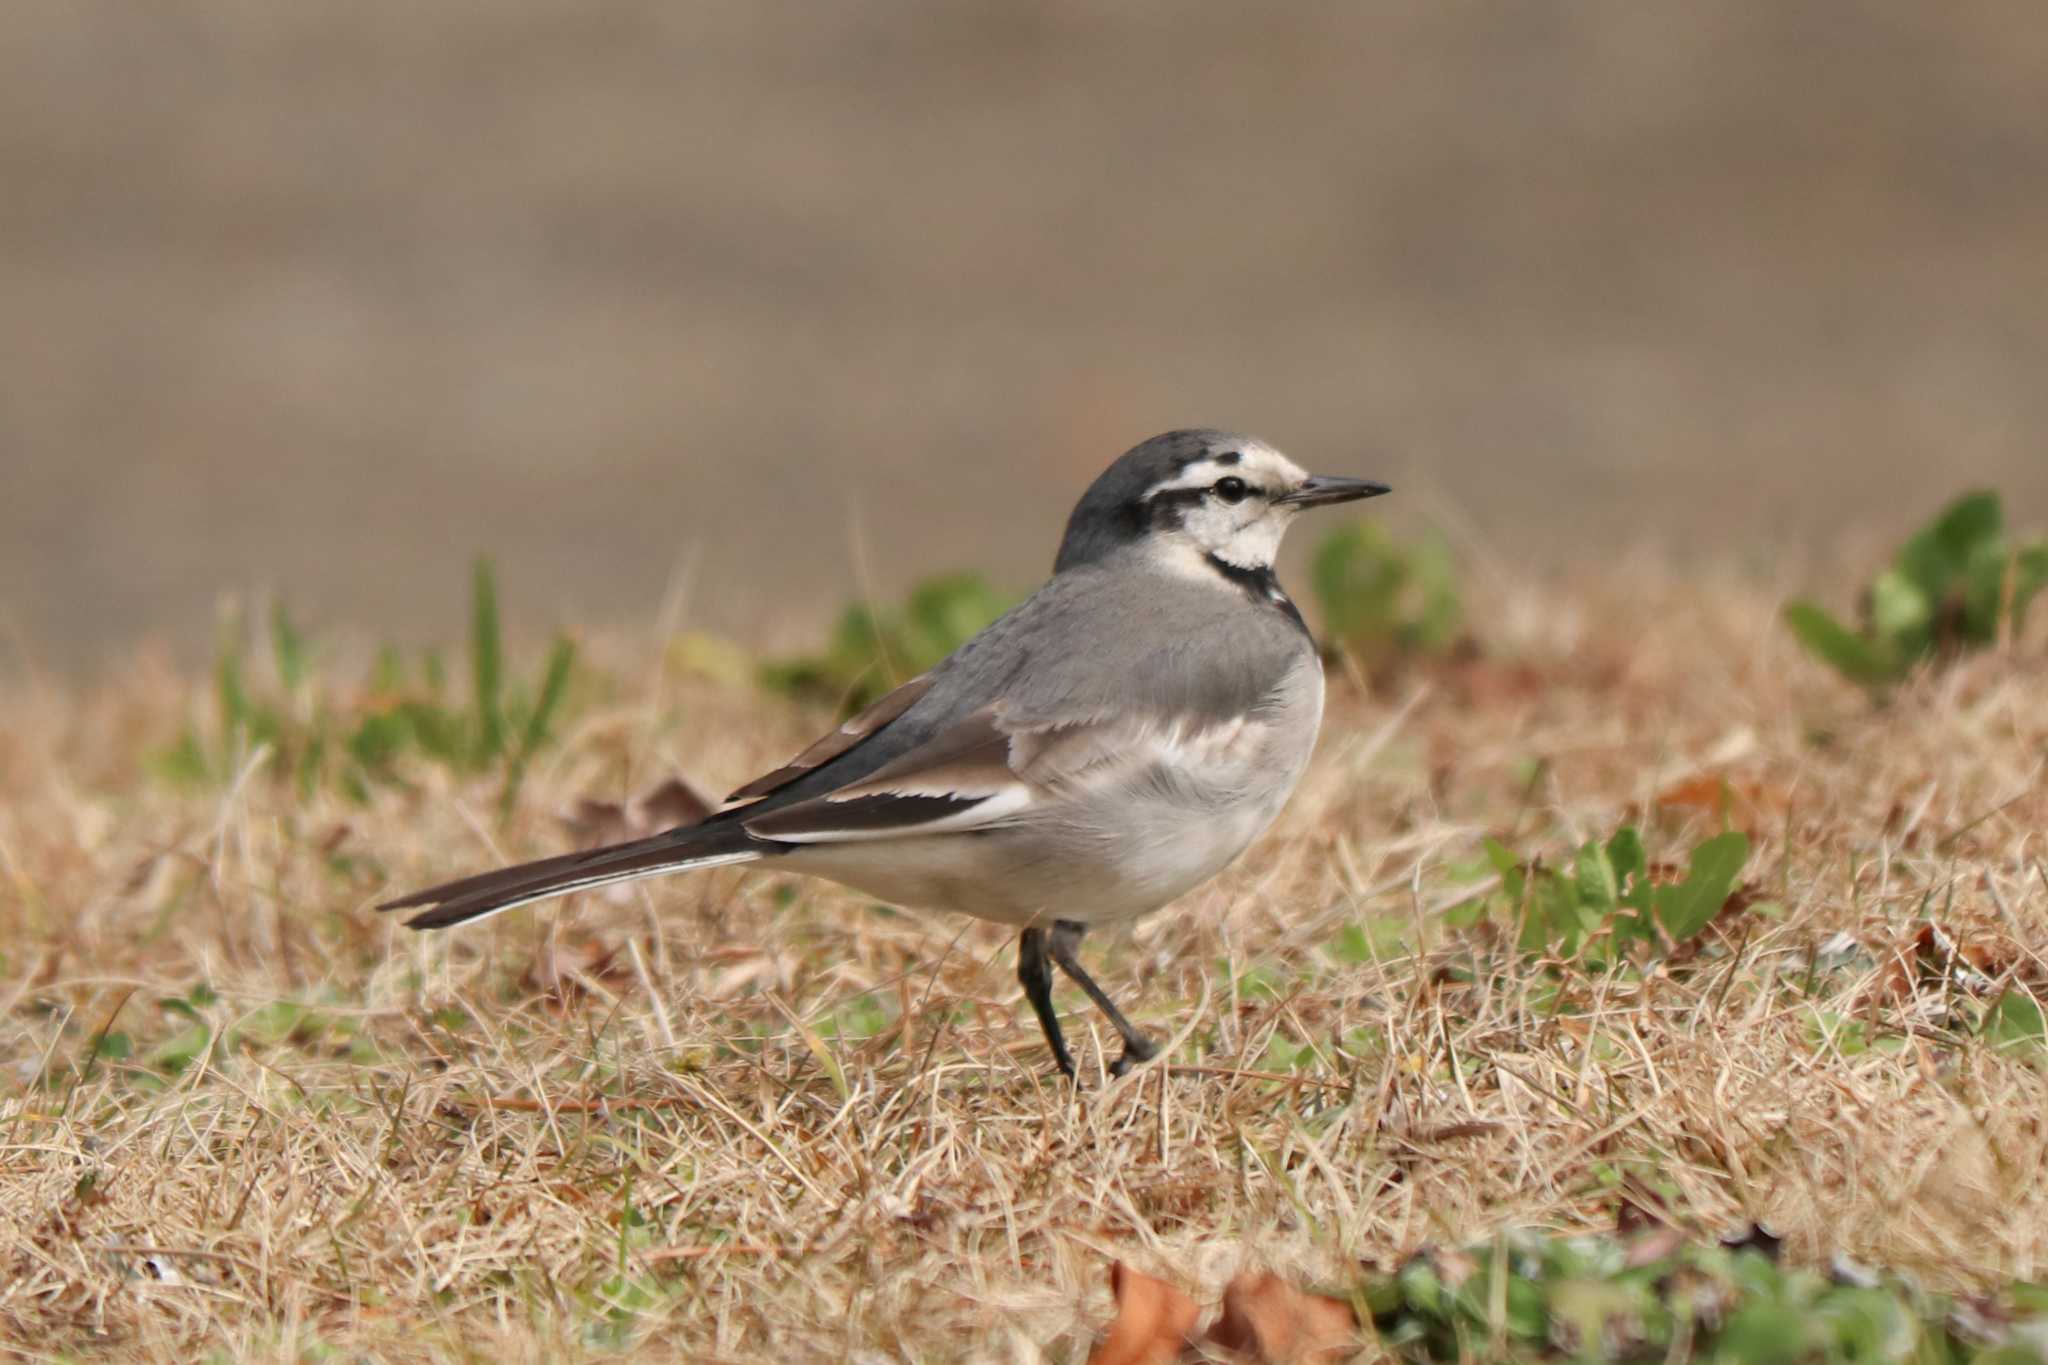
1527,1296
1383,600
1610,901
2014,1023
1950,589
874,648
308,736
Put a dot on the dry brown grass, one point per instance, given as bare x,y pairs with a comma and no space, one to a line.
632,1120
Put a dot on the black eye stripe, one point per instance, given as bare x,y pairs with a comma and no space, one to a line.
1166,508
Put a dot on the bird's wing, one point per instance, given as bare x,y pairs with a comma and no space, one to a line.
1098,676
984,772
860,727
960,778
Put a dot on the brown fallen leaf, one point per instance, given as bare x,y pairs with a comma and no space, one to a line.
1152,1323
1976,963
1273,1323
1744,802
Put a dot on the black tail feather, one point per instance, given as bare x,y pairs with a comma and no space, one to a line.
486,893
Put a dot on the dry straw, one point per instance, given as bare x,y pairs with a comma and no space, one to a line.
734,1117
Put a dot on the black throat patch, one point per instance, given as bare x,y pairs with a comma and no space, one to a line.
1262,586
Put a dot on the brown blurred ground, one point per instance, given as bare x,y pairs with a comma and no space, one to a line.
327,295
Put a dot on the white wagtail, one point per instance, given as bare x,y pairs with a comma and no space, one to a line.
1109,744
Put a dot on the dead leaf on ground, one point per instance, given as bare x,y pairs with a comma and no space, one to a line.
1272,1322
1743,802
675,802
1152,1324
1977,962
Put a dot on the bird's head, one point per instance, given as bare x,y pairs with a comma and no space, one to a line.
1197,497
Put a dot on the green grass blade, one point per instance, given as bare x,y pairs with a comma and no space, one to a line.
553,687
288,647
487,662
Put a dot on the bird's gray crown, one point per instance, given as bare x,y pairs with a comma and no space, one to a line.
1112,513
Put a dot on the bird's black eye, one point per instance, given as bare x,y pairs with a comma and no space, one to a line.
1232,489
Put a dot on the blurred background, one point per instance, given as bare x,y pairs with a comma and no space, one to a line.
325,297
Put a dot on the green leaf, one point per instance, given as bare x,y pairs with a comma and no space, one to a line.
1764,1334
1687,908
276,1023
1625,854
1599,886
182,1050
378,738
1940,553
1855,657
1465,914
2015,1022
1899,606
1371,940
487,661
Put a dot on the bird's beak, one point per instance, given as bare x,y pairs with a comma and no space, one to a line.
1324,489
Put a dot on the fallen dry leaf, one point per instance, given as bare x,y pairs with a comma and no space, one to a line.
1272,1322
1744,803
1977,963
1152,1323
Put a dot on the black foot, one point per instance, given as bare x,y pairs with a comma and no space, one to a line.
1037,951
1066,940
1137,1050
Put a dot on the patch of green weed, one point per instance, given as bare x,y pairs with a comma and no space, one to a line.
310,735
874,648
1950,589
1383,600
1610,902
1527,1296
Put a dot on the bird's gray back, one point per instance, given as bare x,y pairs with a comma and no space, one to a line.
1116,637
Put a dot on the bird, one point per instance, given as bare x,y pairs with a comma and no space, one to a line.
1104,747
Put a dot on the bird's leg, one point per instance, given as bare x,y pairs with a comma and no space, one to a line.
1034,969
1066,937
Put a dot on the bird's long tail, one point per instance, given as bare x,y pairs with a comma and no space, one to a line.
487,893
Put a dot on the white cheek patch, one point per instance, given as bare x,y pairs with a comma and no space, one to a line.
1254,546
